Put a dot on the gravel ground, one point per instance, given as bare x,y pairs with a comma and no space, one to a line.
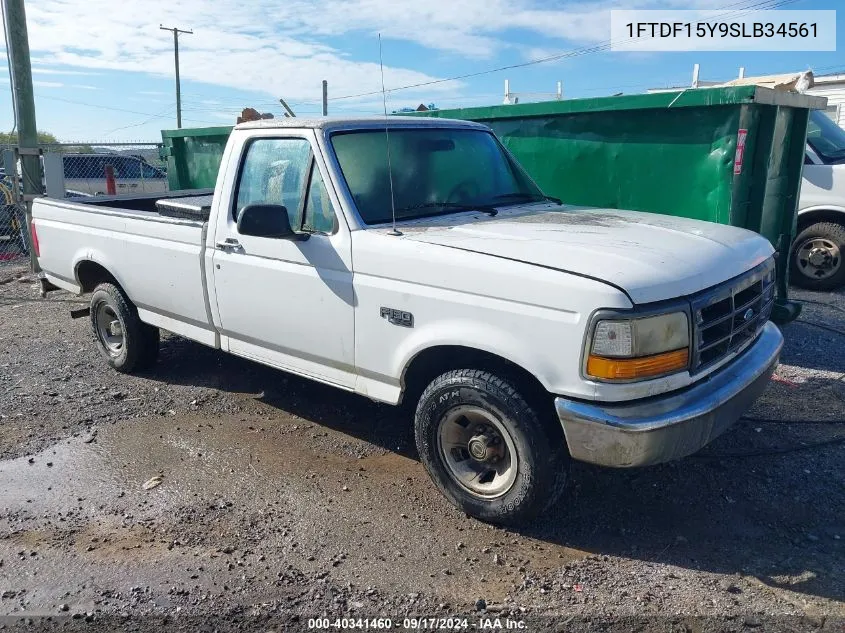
282,500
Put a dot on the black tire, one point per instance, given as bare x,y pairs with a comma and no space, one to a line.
542,460
138,349
830,236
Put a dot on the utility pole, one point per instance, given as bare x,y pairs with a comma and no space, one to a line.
176,32
17,41
325,98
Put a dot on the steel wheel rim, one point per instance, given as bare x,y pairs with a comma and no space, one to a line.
818,258
109,329
463,433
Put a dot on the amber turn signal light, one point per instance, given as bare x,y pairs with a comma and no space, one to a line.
633,368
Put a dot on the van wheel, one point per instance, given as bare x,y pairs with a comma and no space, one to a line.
127,343
487,450
816,262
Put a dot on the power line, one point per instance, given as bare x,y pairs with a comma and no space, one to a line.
103,107
161,114
743,8
759,5
92,105
743,5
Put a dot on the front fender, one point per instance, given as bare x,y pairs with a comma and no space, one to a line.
825,208
509,345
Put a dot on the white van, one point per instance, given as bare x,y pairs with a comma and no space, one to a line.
86,174
819,247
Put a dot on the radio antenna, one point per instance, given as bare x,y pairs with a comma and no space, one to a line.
393,231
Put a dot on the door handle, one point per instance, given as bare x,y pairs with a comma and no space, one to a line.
229,242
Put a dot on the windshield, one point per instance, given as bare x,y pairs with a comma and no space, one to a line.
435,171
825,137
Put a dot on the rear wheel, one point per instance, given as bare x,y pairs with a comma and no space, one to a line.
816,262
127,343
487,450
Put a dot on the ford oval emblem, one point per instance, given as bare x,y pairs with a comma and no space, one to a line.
748,314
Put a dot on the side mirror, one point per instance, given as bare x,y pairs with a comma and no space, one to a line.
267,220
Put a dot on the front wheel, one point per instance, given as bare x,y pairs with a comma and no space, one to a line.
816,262
487,450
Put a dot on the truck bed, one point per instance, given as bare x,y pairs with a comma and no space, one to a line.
157,259
150,202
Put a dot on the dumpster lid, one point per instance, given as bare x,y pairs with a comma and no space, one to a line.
686,98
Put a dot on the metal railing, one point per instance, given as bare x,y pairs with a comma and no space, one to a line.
73,170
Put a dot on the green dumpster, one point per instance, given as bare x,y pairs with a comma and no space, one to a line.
193,156
728,155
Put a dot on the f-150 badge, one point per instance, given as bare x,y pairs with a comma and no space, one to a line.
398,317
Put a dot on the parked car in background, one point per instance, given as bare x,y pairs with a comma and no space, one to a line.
819,246
86,174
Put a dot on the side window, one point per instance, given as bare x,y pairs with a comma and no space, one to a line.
274,172
116,164
128,167
319,217
74,167
149,171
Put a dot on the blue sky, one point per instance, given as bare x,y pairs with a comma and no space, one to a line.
104,70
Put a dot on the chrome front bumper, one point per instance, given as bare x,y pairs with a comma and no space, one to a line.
674,425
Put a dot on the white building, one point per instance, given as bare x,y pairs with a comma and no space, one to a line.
832,87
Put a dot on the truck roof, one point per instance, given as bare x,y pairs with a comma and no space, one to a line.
325,123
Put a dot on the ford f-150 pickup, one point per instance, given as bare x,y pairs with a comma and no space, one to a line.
412,260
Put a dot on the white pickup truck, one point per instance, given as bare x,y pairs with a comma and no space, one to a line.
525,332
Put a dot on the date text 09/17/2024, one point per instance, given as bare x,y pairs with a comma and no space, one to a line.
419,624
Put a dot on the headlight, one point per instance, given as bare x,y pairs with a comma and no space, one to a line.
632,349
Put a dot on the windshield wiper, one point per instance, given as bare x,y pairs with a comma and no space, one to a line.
518,195
485,208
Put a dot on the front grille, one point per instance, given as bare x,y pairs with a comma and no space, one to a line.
728,317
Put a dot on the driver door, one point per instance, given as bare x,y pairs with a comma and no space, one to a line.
286,303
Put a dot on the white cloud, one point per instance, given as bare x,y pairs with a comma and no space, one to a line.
255,50
48,84
38,70
281,49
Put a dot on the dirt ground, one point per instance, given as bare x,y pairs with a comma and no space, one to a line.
282,500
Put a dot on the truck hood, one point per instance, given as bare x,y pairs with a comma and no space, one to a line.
651,257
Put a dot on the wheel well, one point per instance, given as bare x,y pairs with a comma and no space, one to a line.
819,215
91,274
432,362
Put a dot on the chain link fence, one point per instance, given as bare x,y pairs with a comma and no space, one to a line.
14,239
74,170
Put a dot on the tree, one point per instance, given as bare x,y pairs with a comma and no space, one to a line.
48,139
12,139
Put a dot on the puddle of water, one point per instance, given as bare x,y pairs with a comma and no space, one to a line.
312,503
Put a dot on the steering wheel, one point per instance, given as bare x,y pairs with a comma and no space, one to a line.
464,191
